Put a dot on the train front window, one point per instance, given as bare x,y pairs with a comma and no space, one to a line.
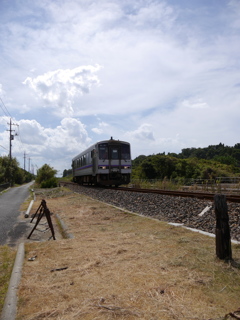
114,153
125,151
103,151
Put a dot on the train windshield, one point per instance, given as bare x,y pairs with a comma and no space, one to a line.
125,151
103,151
114,152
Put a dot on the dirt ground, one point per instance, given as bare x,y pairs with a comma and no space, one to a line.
122,266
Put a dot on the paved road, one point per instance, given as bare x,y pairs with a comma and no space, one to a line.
12,227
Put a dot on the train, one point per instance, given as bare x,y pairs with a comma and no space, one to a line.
105,163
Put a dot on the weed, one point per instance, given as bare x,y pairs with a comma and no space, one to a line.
7,256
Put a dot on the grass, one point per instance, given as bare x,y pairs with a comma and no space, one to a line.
7,257
122,266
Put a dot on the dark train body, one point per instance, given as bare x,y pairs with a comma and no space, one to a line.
106,162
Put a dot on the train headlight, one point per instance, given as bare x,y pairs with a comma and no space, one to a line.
126,167
103,167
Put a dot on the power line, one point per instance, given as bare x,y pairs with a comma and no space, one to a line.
3,147
6,112
19,135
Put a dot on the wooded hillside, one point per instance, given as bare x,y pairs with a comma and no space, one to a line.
212,162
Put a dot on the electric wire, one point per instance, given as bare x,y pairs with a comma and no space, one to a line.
4,108
7,113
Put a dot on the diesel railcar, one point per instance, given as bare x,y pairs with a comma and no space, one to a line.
106,163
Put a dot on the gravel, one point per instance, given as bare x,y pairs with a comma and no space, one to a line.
168,208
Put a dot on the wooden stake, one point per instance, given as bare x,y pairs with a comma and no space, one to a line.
223,238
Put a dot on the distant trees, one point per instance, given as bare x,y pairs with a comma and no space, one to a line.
12,173
218,152
67,172
46,177
191,163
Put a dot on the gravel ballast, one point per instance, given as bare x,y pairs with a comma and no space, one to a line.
188,211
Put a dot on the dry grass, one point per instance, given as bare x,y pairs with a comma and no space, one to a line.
122,266
7,256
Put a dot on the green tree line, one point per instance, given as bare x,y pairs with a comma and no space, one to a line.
192,163
10,172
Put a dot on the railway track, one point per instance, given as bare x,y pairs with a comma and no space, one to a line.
181,207
199,195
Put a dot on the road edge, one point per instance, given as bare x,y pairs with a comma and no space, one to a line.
10,304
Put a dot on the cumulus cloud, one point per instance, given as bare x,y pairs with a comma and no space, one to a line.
101,128
59,88
32,132
97,130
56,146
143,133
68,136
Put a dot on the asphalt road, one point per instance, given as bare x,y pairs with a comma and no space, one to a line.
12,227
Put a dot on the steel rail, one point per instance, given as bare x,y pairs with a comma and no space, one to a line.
199,195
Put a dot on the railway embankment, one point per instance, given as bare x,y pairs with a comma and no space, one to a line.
192,212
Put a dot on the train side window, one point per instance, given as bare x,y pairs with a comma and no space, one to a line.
103,151
89,158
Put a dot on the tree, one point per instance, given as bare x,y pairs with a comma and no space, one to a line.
67,172
137,161
10,171
147,170
46,177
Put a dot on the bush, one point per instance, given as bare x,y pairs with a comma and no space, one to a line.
50,183
46,177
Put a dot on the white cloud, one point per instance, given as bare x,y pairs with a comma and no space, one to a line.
59,88
41,144
102,128
32,133
97,130
143,133
194,103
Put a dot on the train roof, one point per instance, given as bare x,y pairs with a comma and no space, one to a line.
110,141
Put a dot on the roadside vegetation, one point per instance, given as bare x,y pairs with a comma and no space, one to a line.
10,172
7,256
46,177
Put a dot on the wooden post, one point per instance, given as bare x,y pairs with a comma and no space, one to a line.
223,238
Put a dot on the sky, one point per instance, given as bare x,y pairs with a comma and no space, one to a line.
162,75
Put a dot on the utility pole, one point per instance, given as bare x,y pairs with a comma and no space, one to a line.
29,159
24,157
11,137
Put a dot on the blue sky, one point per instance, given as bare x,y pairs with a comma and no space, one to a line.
163,75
